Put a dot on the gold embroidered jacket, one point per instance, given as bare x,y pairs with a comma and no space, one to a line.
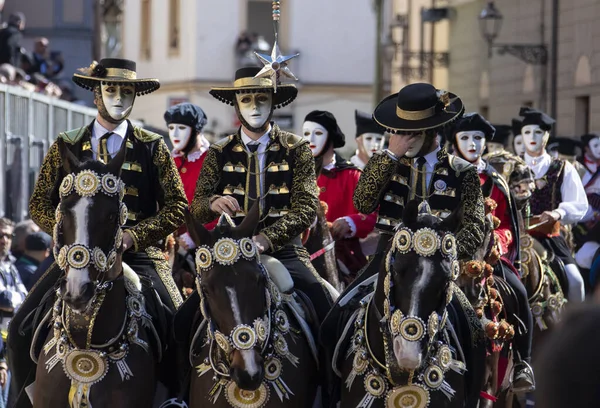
290,197
386,184
154,194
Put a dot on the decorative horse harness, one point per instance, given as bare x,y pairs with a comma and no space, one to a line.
268,331
383,379
88,366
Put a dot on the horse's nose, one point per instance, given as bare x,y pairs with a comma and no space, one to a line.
247,369
408,353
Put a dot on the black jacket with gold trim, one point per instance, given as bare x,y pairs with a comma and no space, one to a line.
290,196
154,194
386,184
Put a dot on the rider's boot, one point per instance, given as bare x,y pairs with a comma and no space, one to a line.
523,378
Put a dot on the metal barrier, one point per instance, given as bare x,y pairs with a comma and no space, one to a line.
29,124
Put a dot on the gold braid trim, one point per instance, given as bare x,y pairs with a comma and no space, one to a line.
470,237
304,199
171,199
41,209
373,181
165,275
206,187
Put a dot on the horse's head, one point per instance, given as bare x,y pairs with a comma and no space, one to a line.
89,217
522,184
235,294
420,266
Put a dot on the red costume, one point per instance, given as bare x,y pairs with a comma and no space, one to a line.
504,232
336,189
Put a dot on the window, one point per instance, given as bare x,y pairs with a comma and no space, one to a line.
145,30
174,24
582,115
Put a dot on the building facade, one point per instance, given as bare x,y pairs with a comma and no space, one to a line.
191,46
498,85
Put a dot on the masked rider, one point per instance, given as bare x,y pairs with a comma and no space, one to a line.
370,139
263,163
559,196
336,182
153,191
471,134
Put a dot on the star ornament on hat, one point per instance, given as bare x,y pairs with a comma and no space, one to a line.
418,107
114,71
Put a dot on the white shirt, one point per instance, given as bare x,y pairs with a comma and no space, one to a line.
431,161
263,142
358,162
574,203
114,141
331,164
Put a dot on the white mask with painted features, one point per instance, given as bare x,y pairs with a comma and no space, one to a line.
255,108
594,149
118,100
316,135
519,145
534,139
415,145
470,144
373,143
180,135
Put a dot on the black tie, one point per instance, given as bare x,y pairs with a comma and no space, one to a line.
103,154
420,177
253,175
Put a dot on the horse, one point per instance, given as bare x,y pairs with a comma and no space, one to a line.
408,344
321,246
495,305
251,346
102,336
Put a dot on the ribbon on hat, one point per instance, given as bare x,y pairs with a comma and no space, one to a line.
443,97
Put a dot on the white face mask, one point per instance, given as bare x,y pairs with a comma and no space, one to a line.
519,145
179,135
372,142
415,145
470,144
594,149
118,100
255,108
534,139
316,135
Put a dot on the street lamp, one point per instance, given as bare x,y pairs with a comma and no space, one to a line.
490,23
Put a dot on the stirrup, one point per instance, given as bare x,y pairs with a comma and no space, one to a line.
527,371
173,403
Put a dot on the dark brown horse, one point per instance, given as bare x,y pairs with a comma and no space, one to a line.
407,345
248,348
100,351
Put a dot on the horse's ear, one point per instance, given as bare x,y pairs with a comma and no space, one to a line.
453,221
69,161
114,166
248,225
486,188
411,213
200,235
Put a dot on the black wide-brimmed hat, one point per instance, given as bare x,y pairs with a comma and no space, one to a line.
418,107
328,121
516,125
186,114
503,134
245,81
566,146
366,124
114,71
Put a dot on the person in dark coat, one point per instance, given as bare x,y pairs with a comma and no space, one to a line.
37,248
10,40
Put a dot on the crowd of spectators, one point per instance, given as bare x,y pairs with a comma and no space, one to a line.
36,70
24,252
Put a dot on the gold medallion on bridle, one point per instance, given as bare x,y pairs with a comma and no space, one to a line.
239,398
86,367
408,396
